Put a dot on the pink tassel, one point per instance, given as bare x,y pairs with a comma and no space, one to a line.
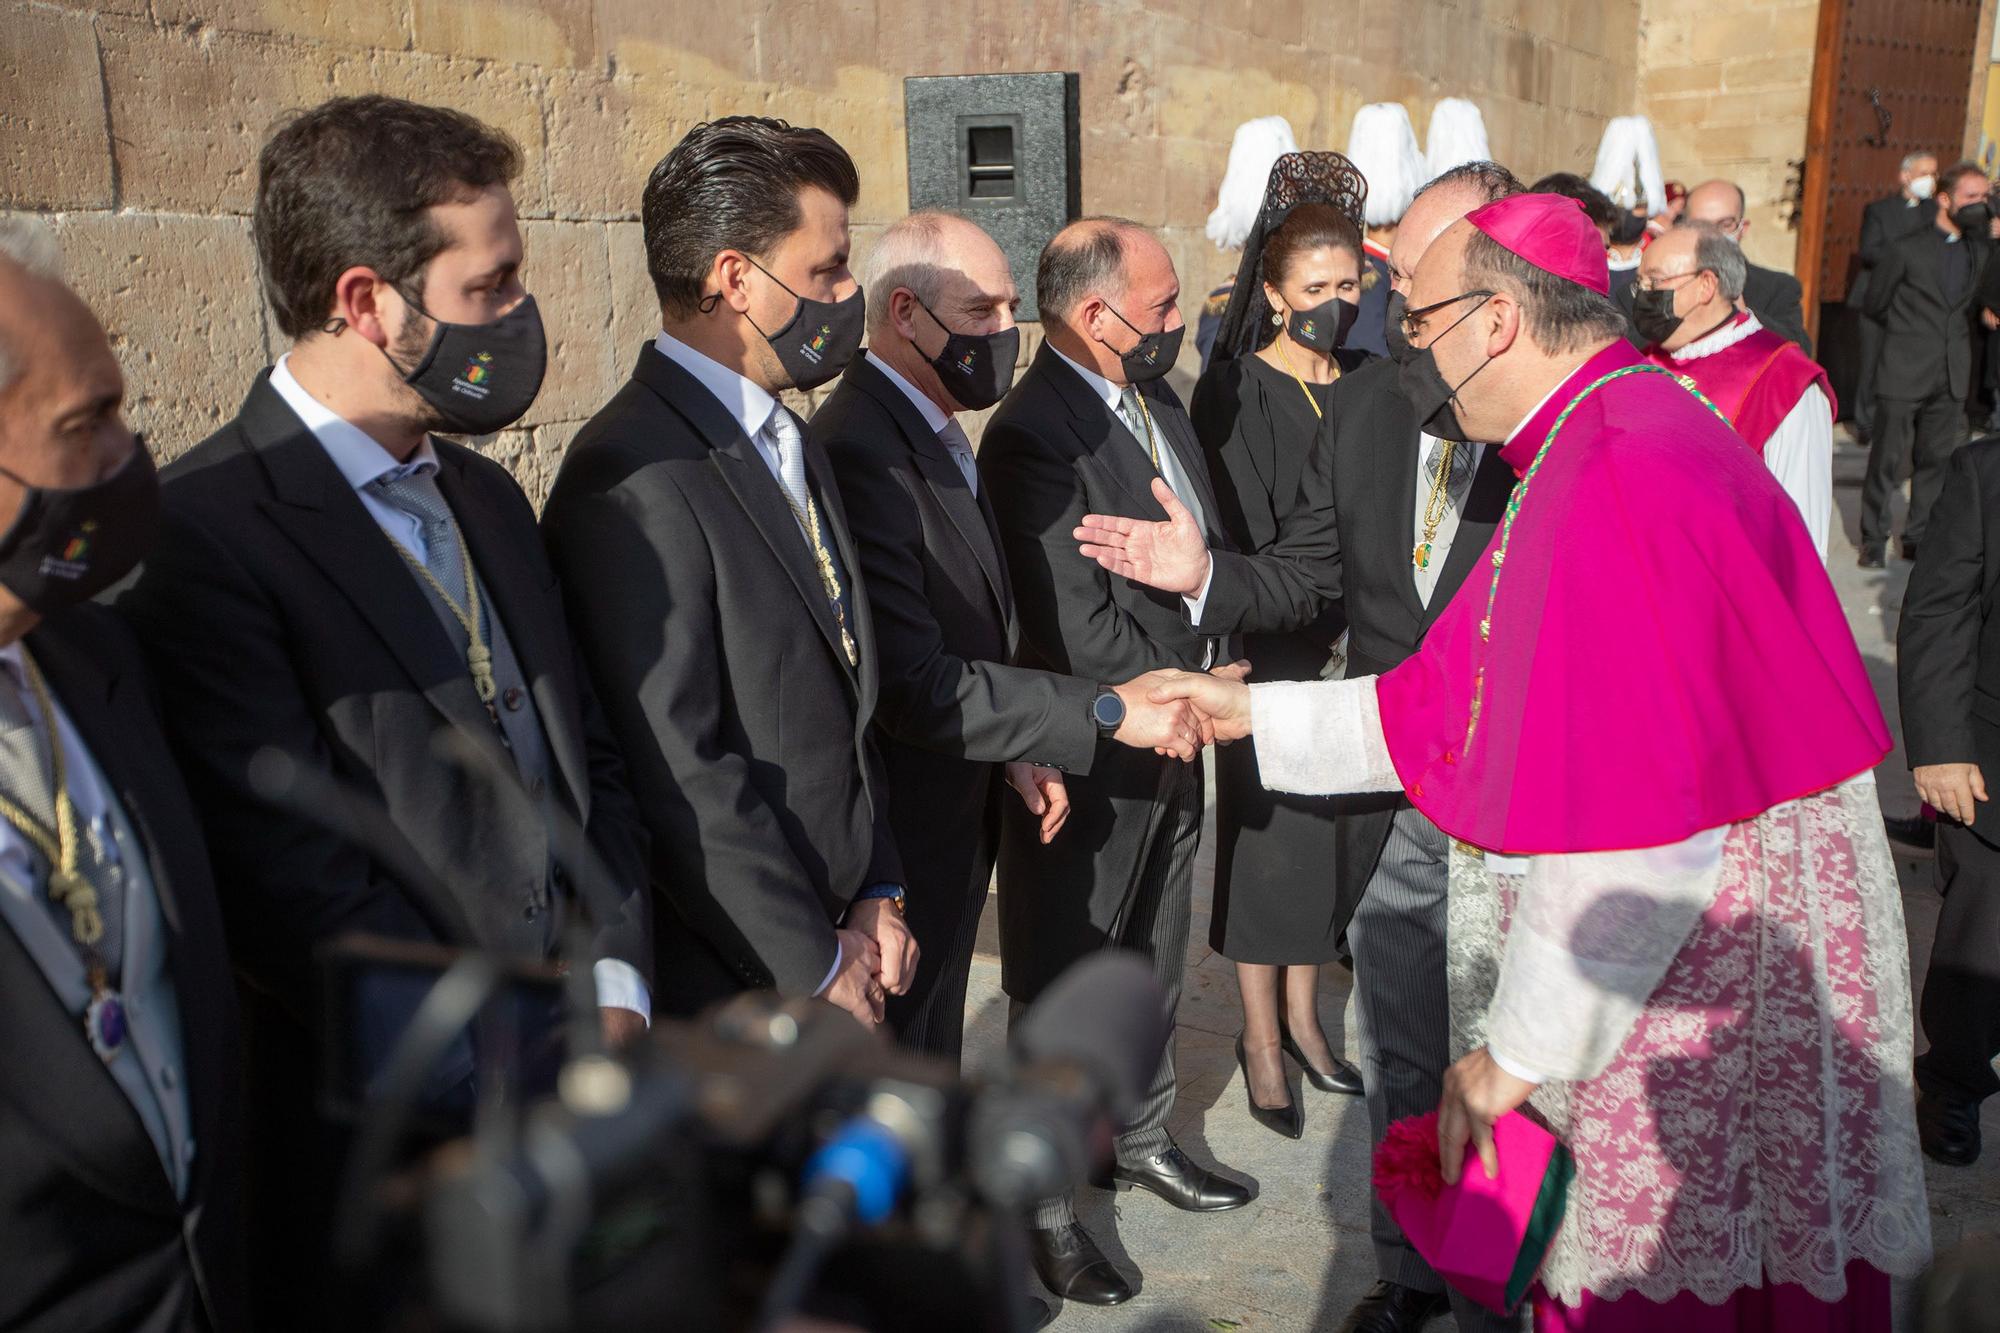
1407,1160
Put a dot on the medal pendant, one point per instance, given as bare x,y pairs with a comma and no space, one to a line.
104,1023
1421,557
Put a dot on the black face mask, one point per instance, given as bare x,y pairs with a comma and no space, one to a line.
1653,316
976,369
819,339
1426,388
1153,355
1972,219
1324,328
66,546
1392,329
480,378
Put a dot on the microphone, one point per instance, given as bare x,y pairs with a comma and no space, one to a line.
1083,1059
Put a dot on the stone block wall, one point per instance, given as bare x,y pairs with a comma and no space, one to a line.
1727,84
135,124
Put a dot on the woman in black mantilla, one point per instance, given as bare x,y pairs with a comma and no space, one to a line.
1258,410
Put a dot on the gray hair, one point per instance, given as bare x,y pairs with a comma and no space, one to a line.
1910,160
26,240
910,255
1086,258
1489,180
1716,251
1559,315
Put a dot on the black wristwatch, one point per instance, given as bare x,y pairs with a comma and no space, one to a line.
1107,710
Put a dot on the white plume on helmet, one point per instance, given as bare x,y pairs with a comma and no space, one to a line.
1383,144
1628,165
1255,149
1457,135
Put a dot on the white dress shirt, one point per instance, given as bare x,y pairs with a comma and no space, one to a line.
1800,451
1170,472
751,406
362,461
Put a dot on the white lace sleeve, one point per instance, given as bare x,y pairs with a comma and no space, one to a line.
1321,737
1593,933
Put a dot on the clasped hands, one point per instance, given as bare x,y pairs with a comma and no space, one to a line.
878,958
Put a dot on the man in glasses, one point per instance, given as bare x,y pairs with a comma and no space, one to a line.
1776,396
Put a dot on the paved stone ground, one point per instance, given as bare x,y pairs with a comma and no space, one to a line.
1299,1256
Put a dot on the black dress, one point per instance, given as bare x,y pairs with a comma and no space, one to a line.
1274,899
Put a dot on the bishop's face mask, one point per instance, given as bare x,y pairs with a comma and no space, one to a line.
976,369
66,546
1324,328
820,338
1425,386
480,378
1153,355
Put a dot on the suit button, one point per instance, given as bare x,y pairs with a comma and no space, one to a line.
512,698
531,911
536,787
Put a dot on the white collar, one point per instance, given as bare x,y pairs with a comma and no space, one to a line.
1724,338
1625,263
360,456
933,418
1106,390
747,401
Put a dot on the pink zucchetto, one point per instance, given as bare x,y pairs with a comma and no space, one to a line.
1550,231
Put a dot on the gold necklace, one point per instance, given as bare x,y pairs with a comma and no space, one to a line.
1435,505
1299,379
104,1021
478,657
809,520
1152,448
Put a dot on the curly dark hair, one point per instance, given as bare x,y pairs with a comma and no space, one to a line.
733,184
350,183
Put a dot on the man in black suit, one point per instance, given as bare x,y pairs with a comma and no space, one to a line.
1774,297
952,710
1391,489
1883,222
1948,674
1923,292
335,583
1091,428
708,558
120,1130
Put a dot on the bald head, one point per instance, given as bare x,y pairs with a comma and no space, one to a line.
1103,284
1439,204
59,406
939,259
1719,203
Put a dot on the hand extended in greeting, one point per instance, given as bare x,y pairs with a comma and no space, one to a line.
1171,556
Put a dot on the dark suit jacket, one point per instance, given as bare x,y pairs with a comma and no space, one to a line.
951,707
276,614
1776,300
1927,331
1948,645
96,1241
1364,471
1883,222
712,642
1052,453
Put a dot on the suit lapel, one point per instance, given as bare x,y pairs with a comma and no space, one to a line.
1403,455
1103,433
316,508
1485,502
967,512
85,1110
512,582
749,479
1171,420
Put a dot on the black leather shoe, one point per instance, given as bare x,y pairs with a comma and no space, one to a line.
1069,1264
1390,1308
1871,557
1917,832
1288,1119
1180,1182
1344,1078
1948,1129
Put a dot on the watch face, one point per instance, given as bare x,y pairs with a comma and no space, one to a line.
1109,710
